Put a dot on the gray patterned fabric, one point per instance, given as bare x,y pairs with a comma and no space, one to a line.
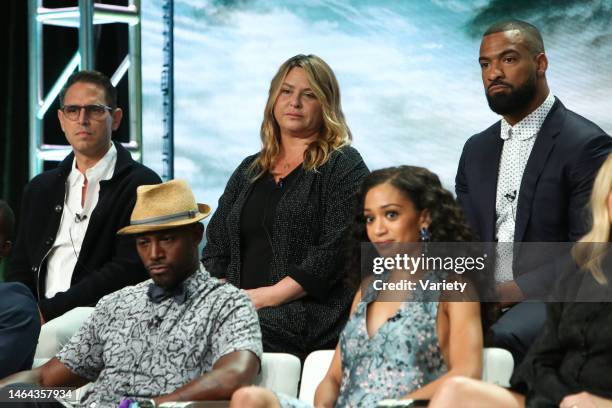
131,346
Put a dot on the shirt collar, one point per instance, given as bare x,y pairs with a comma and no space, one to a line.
189,286
530,125
194,281
103,169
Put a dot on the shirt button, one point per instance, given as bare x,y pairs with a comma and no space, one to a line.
34,269
49,241
58,208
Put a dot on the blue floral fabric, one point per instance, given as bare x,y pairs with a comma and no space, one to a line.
402,356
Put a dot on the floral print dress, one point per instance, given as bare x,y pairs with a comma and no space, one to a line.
402,356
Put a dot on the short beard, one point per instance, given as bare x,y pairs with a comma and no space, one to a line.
514,101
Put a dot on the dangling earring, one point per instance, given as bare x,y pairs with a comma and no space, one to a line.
425,235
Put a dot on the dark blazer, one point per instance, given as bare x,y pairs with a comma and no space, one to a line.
555,188
310,221
19,328
107,262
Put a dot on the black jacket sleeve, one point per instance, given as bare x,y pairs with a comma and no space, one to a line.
581,174
104,267
19,269
217,252
537,377
318,273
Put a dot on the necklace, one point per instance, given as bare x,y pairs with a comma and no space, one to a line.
286,165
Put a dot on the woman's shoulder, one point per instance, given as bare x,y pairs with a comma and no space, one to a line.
244,168
247,161
348,154
346,159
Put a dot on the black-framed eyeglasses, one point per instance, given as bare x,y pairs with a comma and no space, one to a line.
95,112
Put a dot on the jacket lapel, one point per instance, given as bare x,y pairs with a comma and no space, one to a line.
233,225
488,178
544,143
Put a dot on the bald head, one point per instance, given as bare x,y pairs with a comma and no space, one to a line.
529,34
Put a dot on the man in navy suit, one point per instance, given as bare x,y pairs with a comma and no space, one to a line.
528,177
19,319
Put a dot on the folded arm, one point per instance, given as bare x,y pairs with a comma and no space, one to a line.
216,253
51,374
229,373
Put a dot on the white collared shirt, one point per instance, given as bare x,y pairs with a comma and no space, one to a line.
75,220
518,143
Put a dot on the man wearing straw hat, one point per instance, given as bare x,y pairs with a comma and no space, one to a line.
182,335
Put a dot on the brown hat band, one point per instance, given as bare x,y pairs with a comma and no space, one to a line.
165,218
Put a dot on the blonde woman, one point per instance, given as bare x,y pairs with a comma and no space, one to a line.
569,365
277,230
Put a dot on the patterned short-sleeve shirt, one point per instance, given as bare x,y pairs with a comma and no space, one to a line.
131,346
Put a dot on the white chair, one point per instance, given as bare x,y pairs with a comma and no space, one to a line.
315,367
280,372
55,333
497,366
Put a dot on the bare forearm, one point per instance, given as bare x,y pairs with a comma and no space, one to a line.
234,371
287,290
282,292
326,394
216,385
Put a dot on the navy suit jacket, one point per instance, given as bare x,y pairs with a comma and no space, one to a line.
555,188
19,328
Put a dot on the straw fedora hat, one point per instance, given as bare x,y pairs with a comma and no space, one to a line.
162,206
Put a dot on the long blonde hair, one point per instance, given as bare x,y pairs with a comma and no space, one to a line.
334,133
591,249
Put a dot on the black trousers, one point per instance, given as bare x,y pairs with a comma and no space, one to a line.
517,329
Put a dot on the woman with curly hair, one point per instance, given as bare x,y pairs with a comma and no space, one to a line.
278,228
393,348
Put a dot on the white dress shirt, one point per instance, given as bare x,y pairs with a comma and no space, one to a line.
518,143
65,251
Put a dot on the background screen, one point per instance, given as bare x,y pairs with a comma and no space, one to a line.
408,73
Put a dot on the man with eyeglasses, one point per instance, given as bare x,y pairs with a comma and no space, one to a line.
67,252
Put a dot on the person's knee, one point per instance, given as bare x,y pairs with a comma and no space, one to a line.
502,336
518,328
453,391
252,397
508,339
